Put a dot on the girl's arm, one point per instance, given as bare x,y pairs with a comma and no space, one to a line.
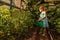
44,15
39,19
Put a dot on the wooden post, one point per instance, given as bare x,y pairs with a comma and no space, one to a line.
11,7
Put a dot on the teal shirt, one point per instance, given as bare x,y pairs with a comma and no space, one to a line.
45,20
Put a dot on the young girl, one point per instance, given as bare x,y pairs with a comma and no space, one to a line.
43,18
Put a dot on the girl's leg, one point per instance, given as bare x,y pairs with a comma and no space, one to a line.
38,30
41,30
44,31
35,30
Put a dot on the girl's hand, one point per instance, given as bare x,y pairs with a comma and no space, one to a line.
39,19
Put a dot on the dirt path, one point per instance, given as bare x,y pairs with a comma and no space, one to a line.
35,36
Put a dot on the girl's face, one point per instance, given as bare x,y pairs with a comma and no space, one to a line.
40,10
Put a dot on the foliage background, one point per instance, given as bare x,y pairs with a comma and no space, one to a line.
15,25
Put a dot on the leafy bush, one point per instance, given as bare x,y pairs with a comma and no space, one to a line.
17,24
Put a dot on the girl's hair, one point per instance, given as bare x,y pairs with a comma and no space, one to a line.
42,7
